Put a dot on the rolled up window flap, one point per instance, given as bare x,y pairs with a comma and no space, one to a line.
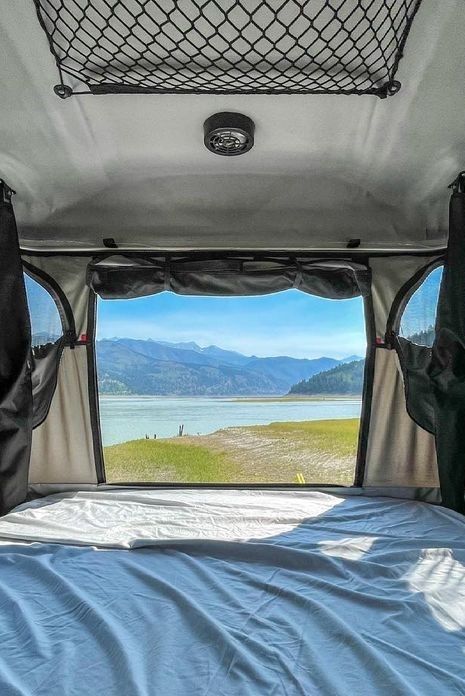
124,277
15,364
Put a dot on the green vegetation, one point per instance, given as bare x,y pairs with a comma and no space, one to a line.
336,437
423,338
343,379
291,398
113,386
166,460
308,451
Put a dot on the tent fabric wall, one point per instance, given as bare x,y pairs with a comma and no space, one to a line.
400,453
400,456
62,447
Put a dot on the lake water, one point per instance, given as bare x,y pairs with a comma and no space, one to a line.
132,417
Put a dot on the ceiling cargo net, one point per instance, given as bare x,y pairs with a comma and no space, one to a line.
227,46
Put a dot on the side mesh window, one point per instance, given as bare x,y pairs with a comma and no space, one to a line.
46,325
419,316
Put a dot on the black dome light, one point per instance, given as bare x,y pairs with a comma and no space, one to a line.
229,134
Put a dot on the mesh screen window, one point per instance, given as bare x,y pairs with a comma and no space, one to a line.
419,316
46,326
228,46
230,389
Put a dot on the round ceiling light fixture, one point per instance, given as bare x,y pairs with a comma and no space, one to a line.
228,134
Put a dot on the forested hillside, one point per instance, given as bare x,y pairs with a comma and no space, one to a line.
423,338
342,379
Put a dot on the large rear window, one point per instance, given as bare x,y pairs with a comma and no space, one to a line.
230,389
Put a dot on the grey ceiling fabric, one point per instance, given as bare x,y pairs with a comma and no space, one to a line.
324,169
121,277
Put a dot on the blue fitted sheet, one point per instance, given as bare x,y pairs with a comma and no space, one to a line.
194,593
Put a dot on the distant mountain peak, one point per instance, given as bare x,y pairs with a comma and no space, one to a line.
351,358
182,345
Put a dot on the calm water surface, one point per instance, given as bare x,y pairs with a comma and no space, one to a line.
132,417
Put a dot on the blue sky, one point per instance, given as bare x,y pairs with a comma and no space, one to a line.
420,312
43,311
287,323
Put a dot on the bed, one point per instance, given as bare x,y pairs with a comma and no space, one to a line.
173,592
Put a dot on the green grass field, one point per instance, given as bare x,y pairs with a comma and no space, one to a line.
166,460
308,451
337,437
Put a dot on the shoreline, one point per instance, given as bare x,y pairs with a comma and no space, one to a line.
321,451
241,399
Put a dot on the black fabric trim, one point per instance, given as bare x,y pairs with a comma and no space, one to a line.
351,255
388,89
94,408
367,396
245,486
58,296
446,371
15,364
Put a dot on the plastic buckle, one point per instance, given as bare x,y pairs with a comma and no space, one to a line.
458,185
5,192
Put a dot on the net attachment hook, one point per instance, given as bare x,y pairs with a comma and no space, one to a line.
389,89
63,91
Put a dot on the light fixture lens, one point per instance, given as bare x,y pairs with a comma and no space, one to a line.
229,134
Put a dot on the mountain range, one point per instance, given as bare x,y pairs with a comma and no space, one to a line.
136,366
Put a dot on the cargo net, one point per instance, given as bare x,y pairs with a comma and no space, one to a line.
227,46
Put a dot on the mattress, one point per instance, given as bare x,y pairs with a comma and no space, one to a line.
204,592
